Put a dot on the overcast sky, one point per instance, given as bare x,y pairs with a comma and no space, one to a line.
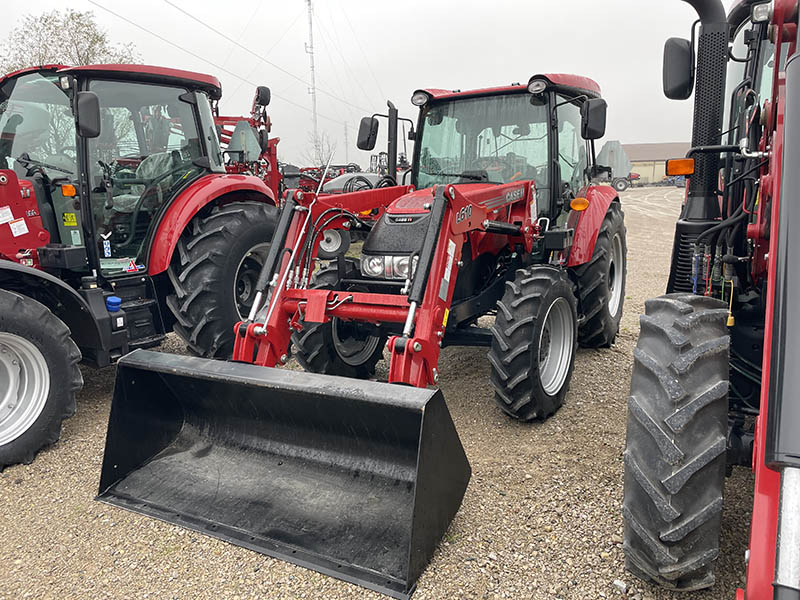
368,51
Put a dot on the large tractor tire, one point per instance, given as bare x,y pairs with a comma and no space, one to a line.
601,283
533,343
676,439
39,377
337,347
214,272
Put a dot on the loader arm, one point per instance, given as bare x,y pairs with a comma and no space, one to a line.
424,312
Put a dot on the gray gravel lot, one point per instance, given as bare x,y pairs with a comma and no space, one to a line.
541,517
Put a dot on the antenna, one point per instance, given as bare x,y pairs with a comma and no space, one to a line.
313,89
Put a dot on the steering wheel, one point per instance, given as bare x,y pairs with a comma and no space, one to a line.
151,183
497,168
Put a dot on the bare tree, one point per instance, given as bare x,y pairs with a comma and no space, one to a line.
318,151
70,37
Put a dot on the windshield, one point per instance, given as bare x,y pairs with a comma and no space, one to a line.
37,128
498,139
148,147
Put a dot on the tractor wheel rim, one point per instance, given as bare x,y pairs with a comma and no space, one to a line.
24,386
244,283
351,349
555,346
331,241
616,272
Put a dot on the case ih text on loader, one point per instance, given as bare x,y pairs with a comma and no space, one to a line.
360,479
118,220
715,379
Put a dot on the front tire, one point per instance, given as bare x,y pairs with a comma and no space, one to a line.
337,347
39,377
676,442
533,343
214,272
620,184
601,283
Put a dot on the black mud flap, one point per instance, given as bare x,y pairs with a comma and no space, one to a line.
355,479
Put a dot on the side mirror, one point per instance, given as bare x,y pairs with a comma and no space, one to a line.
263,95
678,74
593,119
87,114
367,133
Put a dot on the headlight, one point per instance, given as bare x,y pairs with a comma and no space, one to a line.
420,98
537,86
388,267
372,266
400,266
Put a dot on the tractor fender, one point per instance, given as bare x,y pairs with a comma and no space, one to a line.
587,222
214,188
60,298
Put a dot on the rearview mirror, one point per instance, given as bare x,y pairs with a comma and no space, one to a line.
593,119
678,74
263,95
87,114
367,133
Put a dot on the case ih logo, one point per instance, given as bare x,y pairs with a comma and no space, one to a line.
516,194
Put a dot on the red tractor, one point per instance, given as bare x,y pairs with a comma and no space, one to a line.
120,217
713,384
360,479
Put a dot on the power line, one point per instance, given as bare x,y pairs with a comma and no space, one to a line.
259,57
269,50
334,47
363,52
213,64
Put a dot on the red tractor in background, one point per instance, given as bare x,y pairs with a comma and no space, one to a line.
120,217
360,479
715,378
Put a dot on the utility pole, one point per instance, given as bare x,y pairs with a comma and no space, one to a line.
313,89
346,146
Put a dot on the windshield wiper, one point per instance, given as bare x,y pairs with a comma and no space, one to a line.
26,160
471,176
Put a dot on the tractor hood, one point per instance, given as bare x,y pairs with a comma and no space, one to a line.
402,227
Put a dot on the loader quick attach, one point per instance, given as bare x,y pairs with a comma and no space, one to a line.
355,478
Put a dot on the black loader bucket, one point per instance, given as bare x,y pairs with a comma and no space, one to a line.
355,479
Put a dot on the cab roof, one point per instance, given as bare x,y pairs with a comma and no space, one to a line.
576,84
136,73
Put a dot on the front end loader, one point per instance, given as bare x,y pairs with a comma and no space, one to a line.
714,383
357,478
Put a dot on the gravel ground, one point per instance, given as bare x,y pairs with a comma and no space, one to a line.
541,517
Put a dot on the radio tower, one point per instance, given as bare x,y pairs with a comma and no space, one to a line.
313,89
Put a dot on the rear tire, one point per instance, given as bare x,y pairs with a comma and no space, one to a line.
676,442
39,377
533,343
337,347
214,271
601,283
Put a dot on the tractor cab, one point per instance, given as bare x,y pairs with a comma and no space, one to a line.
508,134
106,148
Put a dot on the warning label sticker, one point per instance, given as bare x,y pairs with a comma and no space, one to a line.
18,227
70,219
5,214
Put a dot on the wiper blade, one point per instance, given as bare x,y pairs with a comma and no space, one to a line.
27,160
462,175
